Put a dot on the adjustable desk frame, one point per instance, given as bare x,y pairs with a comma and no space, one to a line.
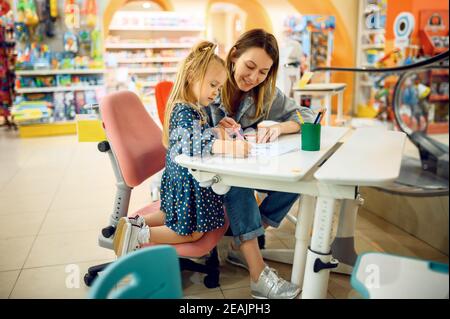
312,259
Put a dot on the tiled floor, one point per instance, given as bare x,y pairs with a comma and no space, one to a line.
55,196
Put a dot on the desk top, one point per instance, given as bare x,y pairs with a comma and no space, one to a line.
321,87
370,157
291,166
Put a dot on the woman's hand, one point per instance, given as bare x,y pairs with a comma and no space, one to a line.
266,134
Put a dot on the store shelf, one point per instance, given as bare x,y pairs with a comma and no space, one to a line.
438,98
147,84
53,72
374,31
58,89
155,28
439,72
149,45
149,60
152,70
48,129
372,46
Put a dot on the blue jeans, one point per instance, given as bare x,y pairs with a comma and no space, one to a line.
246,217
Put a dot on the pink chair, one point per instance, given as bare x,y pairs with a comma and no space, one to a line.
136,153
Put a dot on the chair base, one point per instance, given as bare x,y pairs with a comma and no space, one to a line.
210,268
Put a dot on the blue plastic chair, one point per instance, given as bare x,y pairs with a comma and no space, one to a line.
386,276
155,274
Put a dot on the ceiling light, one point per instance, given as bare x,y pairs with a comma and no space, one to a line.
146,5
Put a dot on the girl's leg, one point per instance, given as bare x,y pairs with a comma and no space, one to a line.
161,234
155,219
165,235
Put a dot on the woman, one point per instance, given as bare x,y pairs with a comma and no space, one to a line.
249,96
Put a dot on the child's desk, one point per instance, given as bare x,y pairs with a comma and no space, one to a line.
306,173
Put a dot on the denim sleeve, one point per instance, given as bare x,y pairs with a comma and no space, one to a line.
190,136
285,109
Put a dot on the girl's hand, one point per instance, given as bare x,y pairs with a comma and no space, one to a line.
268,133
241,148
236,148
229,123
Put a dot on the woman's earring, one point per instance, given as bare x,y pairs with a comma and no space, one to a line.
233,67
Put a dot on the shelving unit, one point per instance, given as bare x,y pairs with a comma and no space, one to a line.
149,45
370,47
57,124
438,100
58,89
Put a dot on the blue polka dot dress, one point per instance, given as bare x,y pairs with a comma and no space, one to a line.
189,208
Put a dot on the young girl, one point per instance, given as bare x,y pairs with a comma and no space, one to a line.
187,210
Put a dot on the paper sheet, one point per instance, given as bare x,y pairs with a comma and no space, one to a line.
272,149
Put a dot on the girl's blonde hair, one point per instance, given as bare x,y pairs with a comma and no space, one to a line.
265,91
192,69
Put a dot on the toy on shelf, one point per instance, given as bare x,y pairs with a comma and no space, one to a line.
71,14
89,12
26,12
80,101
22,33
53,8
4,7
58,107
70,42
433,31
390,59
69,105
29,112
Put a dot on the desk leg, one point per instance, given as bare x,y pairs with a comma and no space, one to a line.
343,247
319,260
340,110
302,238
329,109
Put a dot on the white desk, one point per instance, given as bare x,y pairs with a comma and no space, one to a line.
328,90
300,172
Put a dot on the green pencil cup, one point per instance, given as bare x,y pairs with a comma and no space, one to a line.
310,137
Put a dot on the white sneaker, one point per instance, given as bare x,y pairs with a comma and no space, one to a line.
272,286
130,235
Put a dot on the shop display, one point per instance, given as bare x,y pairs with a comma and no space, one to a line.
7,61
148,46
433,31
315,34
370,99
59,75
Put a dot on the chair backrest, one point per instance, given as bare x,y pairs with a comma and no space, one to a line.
133,135
162,92
155,273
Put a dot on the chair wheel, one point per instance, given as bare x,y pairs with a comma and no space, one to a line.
89,279
211,281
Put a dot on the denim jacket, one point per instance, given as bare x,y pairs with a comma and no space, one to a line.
283,109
